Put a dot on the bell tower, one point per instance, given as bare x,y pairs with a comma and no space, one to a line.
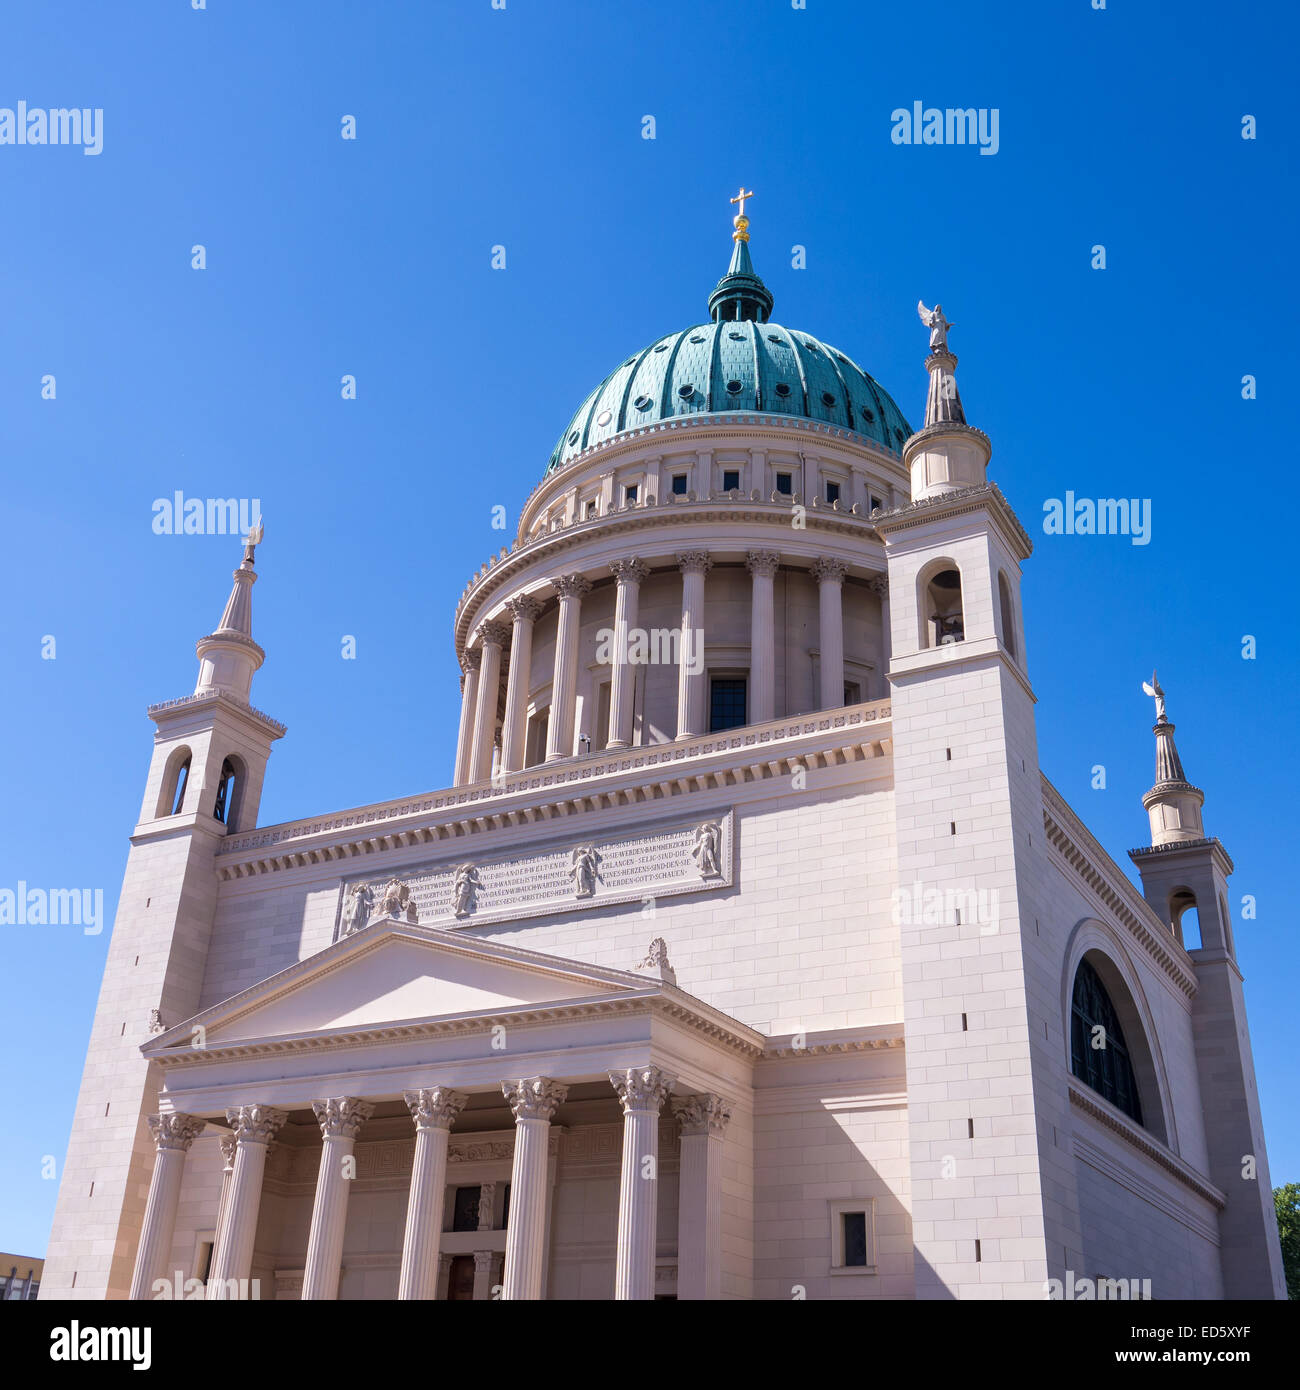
1182,870
983,1032
205,781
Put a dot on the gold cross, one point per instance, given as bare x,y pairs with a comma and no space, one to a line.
740,198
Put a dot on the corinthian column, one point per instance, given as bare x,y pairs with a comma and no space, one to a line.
534,1101
564,686
172,1135
255,1126
524,612
492,637
829,575
694,565
434,1110
641,1091
469,664
703,1119
880,587
629,574
339,1120
762,566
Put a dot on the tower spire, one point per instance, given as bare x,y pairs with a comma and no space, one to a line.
228,657
945,454
740,294
1173,804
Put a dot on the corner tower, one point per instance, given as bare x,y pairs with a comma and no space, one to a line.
1185,870
205,780
982,1028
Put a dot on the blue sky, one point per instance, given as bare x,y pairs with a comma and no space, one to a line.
523,128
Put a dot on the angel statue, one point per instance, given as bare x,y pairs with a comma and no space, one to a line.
583,868
464,887
705,850
936,323
1158,696
252,540
356,908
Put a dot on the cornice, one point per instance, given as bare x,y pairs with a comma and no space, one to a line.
828,1044
612,778
1092,1104
1112,887
1211,842
186,703
503,569
983,497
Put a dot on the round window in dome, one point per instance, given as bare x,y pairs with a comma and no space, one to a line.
774,338
736,337
604,418
573,438
734,388
827,398
661,347
782,388
868,415
643,402
697,337
810,345
686,392
898,434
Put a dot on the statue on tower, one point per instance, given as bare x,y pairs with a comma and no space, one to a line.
936,323
252,540
1158,695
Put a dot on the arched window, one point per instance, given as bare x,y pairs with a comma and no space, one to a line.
226,806
942,619
175,779
1185,918
1008,615
1098,1054
182,780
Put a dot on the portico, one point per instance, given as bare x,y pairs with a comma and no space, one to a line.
460,1121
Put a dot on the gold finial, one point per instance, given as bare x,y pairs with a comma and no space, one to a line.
740,221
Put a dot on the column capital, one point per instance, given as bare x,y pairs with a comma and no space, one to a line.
498,634
694,561
704,1113
524,608
826,571
534,1097
255,1124
571,585
470,661
879,585
434,1107
175,1131
341,1117
483,1261
229,1143
630,571
763,562
642,1088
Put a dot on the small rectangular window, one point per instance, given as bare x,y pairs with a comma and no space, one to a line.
852,692
730,479
465,1211
855,1239
679,484
876,504
832,492
784,485
589,508
726,703
629,494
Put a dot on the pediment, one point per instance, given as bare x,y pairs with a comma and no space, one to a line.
397,973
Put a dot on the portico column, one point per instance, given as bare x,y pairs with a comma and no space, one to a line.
627,602
564,685
492,637
880,587
172,1135
762,566
534,1101
829,575
524,612
694,565
340,1119
255,1126
641,1091
483,1275
703,1119
469,664
434,1110
228,1145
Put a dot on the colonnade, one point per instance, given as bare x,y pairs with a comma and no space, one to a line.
642,1092
482,663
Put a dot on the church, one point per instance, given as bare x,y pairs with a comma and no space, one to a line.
748,954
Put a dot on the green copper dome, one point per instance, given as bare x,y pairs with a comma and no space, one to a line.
737,363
